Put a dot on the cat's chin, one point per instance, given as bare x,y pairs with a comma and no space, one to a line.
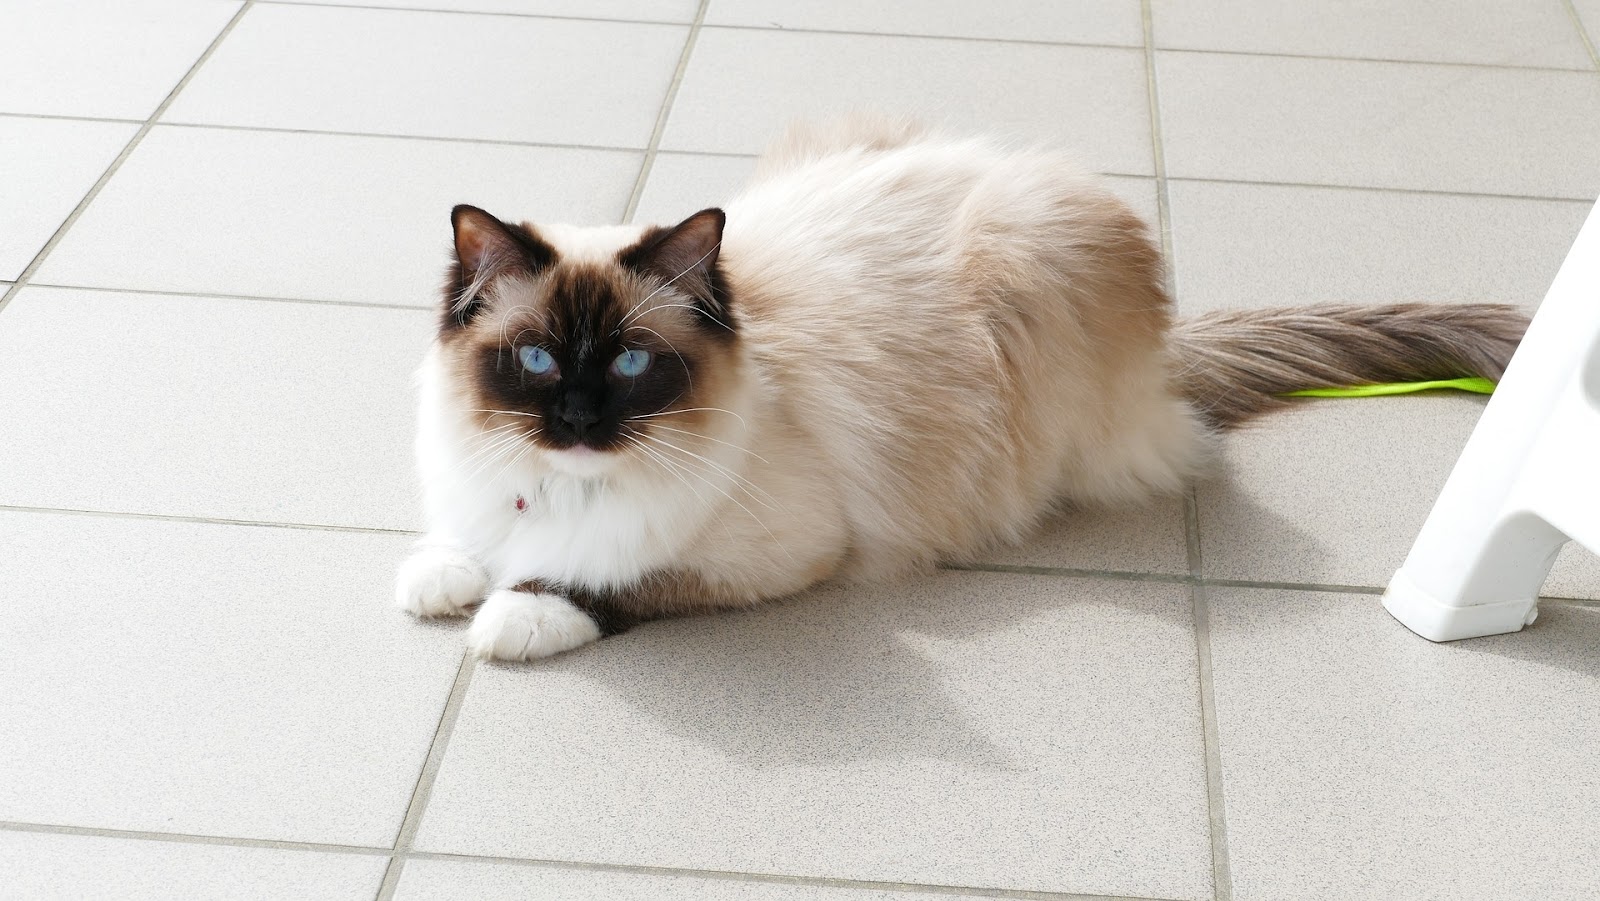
582,461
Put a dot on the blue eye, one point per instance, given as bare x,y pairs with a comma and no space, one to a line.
536,360
632,363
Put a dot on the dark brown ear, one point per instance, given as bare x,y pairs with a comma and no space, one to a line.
486,249
685,256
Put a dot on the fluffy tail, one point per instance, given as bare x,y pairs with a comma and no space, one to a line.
1235,364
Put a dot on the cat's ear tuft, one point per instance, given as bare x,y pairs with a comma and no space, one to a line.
482,241
486,248
476,236
694,243
686,257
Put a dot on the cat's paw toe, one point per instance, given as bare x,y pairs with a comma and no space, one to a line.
439,581
516,625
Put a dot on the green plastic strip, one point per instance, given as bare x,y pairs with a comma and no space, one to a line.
1476,386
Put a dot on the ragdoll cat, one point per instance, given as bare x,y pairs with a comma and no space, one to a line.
896,348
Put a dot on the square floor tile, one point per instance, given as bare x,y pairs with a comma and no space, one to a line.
207,679
197,406
451,880
403,72
45,867
103,58
985,729
1146,539
1063,21
329,217
1333,492
626,10
1382,125
1255,245
743,86
1360,761
1489,32
49,165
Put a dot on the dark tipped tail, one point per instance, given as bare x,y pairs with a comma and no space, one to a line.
1235,364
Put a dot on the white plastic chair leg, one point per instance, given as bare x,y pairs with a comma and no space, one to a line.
1528,480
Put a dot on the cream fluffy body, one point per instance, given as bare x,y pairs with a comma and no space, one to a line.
938,340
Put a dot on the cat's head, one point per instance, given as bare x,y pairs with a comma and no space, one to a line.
596,346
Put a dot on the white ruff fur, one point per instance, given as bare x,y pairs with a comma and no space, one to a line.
601,520
939,340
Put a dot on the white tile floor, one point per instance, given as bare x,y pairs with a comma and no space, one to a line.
221,224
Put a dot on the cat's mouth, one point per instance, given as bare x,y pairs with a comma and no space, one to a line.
591,446
581,459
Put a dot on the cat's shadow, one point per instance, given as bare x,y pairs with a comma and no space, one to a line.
842,674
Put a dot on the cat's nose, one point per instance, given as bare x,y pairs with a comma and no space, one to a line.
580,418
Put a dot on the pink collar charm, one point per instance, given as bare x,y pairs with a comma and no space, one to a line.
521,504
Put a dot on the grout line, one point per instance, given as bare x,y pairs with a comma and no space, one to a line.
1322,57
1216,804
59,117
721,875
1028,570
220,295
190,838
723,27
1158,153
778,879
1217,822
906,35
1583,33
1571,602
1293,586
1119,575
397,136
379,7
127,150
1376,188
1124,575
207,520
430,771
1191,535
654,147
931,37
1216,800
741,155
328,132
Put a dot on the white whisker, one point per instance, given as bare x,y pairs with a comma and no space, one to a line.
501,446
509,413
729,444
731,499
744,484
686,306
690,410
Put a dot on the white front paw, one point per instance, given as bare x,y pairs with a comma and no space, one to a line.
439,581
516,625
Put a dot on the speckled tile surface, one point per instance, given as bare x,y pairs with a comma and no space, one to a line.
960,721
223,226
1359,762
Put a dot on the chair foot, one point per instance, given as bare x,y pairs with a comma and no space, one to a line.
1437,621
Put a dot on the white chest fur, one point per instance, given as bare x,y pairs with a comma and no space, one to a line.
591,532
